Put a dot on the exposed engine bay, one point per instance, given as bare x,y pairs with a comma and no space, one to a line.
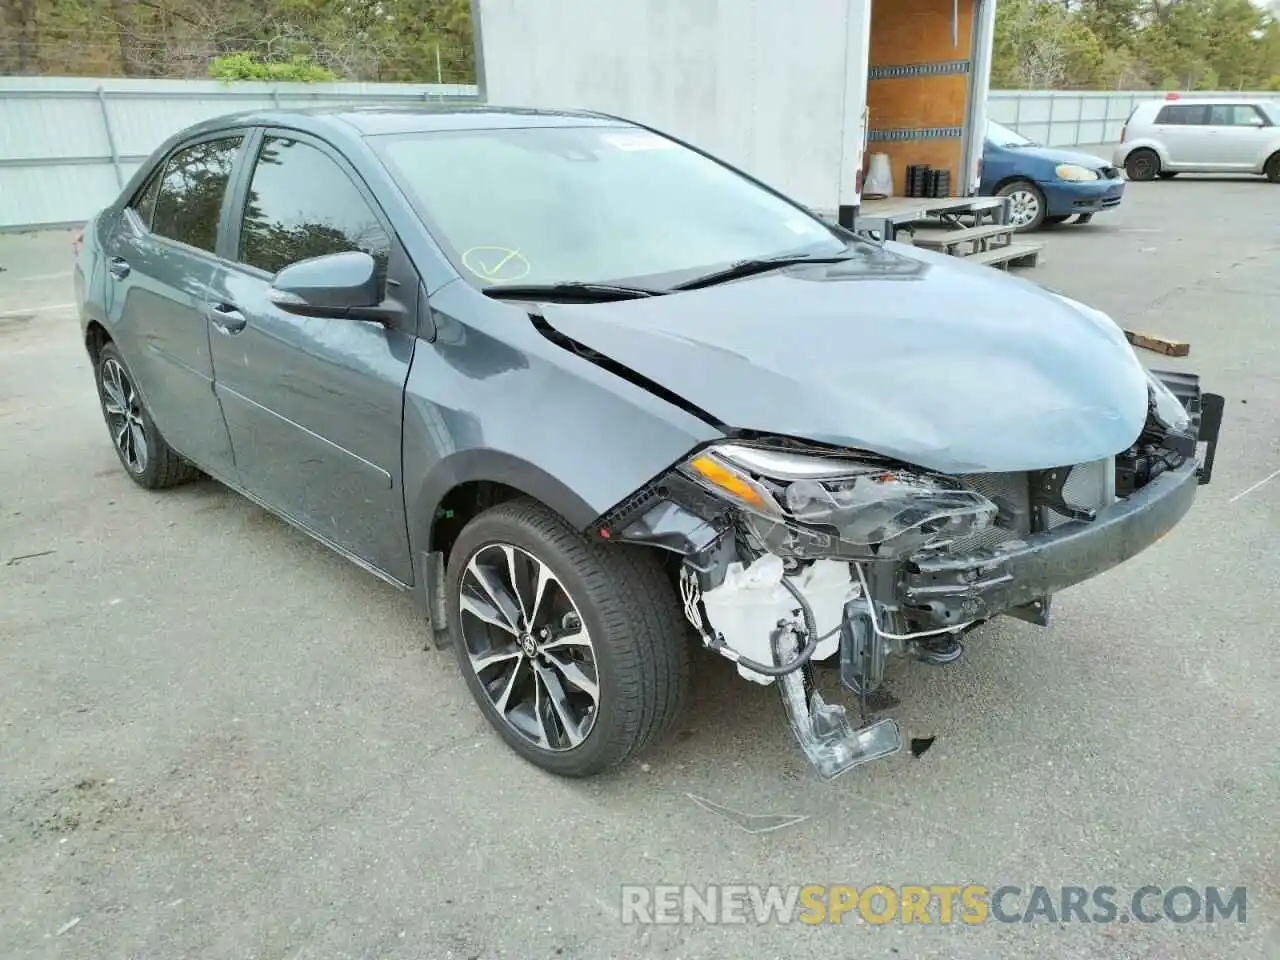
791,553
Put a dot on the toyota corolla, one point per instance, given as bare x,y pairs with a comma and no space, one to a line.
596,397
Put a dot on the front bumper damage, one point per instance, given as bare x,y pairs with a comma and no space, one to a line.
947,589
775,613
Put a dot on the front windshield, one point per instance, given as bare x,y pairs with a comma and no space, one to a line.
1273,111
1002,136
590,204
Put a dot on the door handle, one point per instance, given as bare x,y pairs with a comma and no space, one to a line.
118,267
226,318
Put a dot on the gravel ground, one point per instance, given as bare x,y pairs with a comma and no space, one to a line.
217,739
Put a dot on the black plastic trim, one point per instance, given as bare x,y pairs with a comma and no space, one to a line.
945,590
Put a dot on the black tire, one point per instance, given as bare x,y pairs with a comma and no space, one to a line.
1027,205
1056,219
151,463
639,639
1167,174
1142,164
1272,168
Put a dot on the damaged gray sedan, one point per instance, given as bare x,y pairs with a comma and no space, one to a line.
595,397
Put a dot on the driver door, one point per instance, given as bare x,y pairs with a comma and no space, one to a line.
314,406
1237,135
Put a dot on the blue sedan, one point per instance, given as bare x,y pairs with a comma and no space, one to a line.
1046,184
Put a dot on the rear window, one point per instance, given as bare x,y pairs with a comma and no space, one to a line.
1182,115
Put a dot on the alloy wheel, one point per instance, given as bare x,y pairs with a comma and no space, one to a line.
528,646
123,409
1024,207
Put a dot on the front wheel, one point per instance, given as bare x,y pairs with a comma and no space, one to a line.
575,651
1026,205
1272,168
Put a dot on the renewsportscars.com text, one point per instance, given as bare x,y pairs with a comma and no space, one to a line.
965,904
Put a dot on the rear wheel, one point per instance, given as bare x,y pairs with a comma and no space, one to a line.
1272,168
1026,204
143,452
1142,164
575,651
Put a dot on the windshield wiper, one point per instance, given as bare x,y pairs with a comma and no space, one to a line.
745,268
578,291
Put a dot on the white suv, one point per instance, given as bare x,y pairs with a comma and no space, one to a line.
1163,138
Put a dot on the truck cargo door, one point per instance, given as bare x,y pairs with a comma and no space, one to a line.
919,86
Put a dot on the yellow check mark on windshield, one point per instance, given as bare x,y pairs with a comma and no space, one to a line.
510,261
503,262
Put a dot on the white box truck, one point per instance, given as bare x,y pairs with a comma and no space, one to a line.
796,94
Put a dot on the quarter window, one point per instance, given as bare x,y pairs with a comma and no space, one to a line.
144,204
300,205
188,203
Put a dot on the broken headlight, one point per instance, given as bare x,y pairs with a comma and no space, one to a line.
807,505
1169,409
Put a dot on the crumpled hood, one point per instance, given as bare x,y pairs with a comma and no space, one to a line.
913,355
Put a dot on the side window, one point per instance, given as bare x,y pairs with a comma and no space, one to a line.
144,203
1181,115
301,204
189,201
1233,115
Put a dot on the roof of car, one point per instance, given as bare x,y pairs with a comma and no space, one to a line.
374,120
1197,101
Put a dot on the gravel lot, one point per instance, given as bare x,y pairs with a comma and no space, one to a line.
217,739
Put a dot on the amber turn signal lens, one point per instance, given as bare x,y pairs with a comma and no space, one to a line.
721,476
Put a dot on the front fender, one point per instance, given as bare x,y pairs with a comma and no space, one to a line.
1268,152
492,399
495,466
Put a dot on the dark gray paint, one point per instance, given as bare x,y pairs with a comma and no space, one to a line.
356,430
330,284
913,355
165,338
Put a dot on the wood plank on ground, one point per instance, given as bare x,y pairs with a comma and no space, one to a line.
1149,341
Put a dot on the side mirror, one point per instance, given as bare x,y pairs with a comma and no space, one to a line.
334,285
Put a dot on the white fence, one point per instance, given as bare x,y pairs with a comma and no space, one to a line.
1064,118
67,144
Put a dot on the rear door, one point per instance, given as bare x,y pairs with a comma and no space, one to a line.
1237,134
314,405
1180,129
160,259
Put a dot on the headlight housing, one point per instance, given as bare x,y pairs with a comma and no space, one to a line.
1073,171
1168,407
810,506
